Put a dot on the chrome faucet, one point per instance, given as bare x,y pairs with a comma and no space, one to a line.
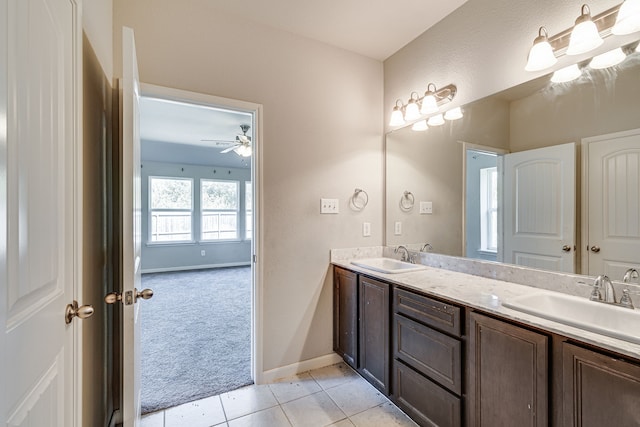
426,247
631,273
604,283
405,256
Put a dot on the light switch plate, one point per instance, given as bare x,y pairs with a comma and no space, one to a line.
426,208
366,229
329,206
398,228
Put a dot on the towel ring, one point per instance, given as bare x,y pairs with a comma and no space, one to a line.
359,200
407,201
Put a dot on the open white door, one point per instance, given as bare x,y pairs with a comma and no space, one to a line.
40,214
613,193
131,230
539,208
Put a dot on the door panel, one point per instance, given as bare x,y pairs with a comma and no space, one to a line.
614,203
39,168
539,208
131,229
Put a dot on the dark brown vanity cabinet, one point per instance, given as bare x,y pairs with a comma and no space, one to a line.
507,374
373,358
598,389
427,358
345,315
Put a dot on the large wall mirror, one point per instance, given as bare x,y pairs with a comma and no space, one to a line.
544,175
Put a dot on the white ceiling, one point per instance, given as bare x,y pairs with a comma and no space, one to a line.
374,28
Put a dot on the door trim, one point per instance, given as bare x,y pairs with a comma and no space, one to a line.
257,345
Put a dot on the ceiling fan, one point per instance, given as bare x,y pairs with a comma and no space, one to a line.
241,145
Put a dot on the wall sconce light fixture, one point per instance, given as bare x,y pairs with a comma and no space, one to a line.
416,107
586,35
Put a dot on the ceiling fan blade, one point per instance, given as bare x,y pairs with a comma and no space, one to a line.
227,150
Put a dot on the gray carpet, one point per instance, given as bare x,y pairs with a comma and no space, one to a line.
195,335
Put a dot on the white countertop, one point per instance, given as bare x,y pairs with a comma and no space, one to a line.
487,295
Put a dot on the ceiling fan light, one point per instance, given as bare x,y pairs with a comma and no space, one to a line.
585,35
628,19
243,150
453,114
566,74
541,55
436,120
607,59
420,126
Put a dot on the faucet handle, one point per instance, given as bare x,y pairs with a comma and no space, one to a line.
625,299
595,293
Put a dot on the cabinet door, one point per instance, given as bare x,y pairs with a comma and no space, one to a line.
599,390
345,315
374,333
508,375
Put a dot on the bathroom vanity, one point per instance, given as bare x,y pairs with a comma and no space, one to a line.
442,346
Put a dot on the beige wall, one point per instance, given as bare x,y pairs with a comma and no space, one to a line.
322,137
97,23
481,47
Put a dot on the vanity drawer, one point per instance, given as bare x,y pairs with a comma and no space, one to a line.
431,312
425,402
430,352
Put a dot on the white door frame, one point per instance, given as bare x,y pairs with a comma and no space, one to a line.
257,347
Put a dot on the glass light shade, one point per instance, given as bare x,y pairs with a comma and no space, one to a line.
453,114
628,19
541,54
429,104
412,111
566,74
584,37
243,151
436,120
396,117
638,48
607,59
420,126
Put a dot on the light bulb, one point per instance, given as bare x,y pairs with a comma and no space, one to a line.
453,114
420,126
584,36
541,54
436,120
566,74
628,19
607,59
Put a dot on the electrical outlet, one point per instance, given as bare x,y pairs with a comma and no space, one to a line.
329,206
426,208
202,253
366,229
398,228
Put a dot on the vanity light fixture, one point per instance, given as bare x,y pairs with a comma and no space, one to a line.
628,19
541,54
638,48
607,59
453,114
585,35
420,126
412,111
566,74
436,120
396,115
429,102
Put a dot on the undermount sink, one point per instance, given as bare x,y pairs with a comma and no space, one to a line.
387,265
605,319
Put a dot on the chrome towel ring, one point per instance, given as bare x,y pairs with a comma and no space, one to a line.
407,201
359,199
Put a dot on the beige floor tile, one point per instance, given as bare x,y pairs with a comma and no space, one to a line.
247,400
333,375
272,417
201,413
343,423
155,419
385,415
294,387
356,396
315,410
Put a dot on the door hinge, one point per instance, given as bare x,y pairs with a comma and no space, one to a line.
255,259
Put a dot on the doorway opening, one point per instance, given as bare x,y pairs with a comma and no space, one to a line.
199,232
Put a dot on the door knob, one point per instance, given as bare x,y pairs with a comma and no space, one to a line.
81,312
566,248
595,249
144,294
113,297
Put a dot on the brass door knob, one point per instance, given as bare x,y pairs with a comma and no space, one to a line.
566,248
595,249
145,294
113,297
81,312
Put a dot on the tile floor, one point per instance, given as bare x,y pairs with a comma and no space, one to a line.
331,396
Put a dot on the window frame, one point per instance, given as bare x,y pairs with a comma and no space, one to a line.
150,233
236,212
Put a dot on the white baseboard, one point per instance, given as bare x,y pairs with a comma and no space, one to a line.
299,367
195,267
